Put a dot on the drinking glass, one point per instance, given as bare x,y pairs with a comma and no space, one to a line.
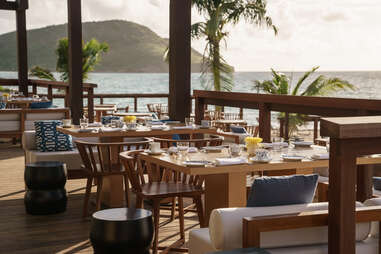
188,121
327,145
277,143
234,150
183,148
114,123
84,123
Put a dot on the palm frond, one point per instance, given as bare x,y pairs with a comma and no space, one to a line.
301,80
42,73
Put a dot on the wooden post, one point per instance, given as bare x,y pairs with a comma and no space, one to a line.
199,110
316,123
364,178
241,113
75,59
34,89
264,122
342,197
136,104
50,92
22,50
90,104
286,126
179,59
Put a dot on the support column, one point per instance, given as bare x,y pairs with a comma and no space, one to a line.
264,122
22,51
342,198
179,59
75,59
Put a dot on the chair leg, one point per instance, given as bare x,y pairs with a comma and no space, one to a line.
156,217
126,189
99,193
200,210
87,196
173,209
139,202
181,217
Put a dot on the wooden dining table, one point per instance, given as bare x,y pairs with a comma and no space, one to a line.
113,193
23,102
225,186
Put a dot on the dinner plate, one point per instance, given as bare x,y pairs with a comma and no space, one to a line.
292,157
213,149
195,163
85,130
320,157
303,143
155,153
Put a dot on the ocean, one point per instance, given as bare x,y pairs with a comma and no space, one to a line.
367,84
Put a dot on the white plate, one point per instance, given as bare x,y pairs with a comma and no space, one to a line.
154,153
86,130
303,143
196,163
254,159
320,157
213,149
292,157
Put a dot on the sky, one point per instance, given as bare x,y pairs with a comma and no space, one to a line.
337,35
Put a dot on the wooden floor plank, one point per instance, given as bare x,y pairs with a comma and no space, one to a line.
67,232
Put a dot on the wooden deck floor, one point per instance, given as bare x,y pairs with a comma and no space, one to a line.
61,233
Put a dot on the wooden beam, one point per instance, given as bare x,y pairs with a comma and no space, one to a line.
179,59
264,122
10,6
75,59
22,52
22,4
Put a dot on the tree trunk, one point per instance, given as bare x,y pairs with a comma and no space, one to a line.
216,66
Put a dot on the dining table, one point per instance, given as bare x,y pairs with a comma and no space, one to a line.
23,102
226,185
224,124
113,194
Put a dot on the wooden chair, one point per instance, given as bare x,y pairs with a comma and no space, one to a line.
166,143
253,130
161,110
100,160
232,116
162,183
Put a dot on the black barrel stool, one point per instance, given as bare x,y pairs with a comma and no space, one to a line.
122,230
243,251
45,183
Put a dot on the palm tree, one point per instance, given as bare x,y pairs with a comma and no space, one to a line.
91,55
219,14
320,86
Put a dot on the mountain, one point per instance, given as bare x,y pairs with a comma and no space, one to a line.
133,47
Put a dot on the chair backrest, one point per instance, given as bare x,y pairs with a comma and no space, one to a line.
253,130
232,116
103,157
166,143
135,171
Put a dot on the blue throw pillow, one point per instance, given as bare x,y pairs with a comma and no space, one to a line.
3,105
282,190
48,139
377,182
238,129
107,119
41,104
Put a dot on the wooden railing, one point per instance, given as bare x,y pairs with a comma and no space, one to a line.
322,106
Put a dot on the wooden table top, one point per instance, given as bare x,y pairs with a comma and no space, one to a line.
277,162
140,132
223,121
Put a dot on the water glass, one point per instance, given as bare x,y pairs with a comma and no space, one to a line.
84,123
327,145
114,123
277,144
188,121
234,150
183,148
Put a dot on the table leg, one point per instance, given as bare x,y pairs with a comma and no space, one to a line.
364,182
98,115
224,190
113,193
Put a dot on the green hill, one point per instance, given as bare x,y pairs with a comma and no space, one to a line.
133,47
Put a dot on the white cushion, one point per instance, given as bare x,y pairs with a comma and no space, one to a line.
29,140
9,126
199,241
374,202
71,158
9,117
225,227
45,116
368,246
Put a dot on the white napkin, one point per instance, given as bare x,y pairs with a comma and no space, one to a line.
192,150
96,124
158,127
230,161
324,156
106,129
268,145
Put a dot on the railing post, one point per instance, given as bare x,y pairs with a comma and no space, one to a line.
264,122
287,126
135,104
90,104
50,92
34,88
67,100
101,100
241,113
199,110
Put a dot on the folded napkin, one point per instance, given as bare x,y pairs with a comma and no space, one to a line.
230,161
156,123
269,145
158,127
192,150
95,124
106,129
324,156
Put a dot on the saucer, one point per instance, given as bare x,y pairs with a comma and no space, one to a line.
257,160
292,157
155,153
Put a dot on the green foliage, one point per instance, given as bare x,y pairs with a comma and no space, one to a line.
218,14
320,86
91,55
4,90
